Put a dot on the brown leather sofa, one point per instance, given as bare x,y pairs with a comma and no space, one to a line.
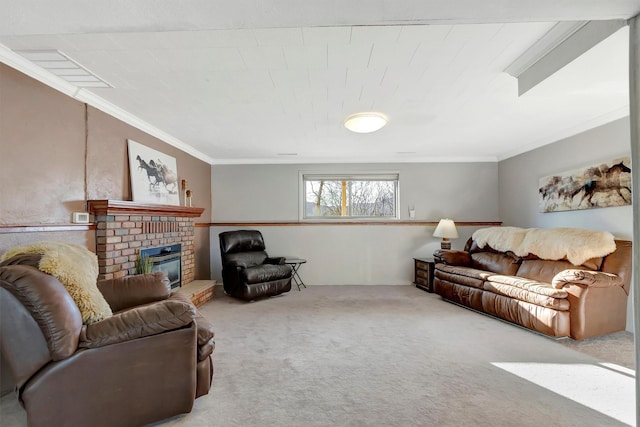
147,362
555,298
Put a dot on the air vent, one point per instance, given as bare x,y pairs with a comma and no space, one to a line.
64,67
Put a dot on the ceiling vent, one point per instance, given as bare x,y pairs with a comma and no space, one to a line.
64,67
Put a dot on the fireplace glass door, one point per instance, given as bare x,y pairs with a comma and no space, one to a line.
167,259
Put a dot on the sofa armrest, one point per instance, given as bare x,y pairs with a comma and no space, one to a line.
205,331
275,260
205,328
594,279
139,322
238,265
452,257
131,291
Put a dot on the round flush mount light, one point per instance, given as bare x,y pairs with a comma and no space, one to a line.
365,122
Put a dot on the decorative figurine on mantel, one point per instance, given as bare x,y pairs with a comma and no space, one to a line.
188,197
184,191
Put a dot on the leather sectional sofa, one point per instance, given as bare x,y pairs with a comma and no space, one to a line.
553,297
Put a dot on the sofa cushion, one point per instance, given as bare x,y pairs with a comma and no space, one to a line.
138,322
463,275
595,279
265,273
593,263
534,286
495,262
542,270
590,264
241,241
523,294
139,289
246,259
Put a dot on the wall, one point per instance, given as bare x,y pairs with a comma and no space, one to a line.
518,183
57,152
353,254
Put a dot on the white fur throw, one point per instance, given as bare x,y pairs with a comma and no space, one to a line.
575,244
76,268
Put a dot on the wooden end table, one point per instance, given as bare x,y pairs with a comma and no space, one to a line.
423,273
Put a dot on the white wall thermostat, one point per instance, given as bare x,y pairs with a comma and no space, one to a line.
80,218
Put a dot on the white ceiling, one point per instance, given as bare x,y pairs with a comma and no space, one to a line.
272,81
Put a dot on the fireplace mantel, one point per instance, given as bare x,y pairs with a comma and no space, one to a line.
124,207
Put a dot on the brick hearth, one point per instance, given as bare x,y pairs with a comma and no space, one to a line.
123,228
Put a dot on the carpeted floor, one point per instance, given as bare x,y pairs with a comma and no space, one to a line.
397,356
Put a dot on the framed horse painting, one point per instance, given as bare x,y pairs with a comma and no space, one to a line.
599,186
154,175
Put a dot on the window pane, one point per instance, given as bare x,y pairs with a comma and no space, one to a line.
372,198
336,197
324,198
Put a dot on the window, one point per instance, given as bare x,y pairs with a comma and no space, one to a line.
350,196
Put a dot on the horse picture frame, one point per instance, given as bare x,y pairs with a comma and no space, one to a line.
154,175
600,186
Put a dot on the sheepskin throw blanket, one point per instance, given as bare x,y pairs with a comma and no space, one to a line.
574,244
76,268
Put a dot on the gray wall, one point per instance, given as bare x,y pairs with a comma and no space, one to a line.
518,183
353,254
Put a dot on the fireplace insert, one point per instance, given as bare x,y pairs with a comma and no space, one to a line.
167,259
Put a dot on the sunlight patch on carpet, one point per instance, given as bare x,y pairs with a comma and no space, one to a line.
604,387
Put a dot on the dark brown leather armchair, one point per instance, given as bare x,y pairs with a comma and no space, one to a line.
147,362
247,270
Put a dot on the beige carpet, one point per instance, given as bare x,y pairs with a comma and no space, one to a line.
396,356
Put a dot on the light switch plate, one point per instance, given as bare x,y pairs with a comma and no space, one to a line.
80,218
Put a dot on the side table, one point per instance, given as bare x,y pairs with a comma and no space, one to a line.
423,273
295,264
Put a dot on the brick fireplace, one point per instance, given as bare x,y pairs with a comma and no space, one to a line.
123,228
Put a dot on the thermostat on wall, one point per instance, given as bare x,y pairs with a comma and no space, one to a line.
80,218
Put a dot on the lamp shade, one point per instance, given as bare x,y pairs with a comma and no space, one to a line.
446,228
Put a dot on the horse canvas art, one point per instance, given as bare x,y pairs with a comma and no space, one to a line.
601,186
154,176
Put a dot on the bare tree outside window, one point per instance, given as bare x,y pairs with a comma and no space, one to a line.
326,197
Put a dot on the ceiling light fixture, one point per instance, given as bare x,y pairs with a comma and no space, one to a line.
365,122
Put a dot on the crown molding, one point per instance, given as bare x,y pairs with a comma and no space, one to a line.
94,100
351,160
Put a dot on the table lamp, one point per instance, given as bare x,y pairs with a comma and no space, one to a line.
447,230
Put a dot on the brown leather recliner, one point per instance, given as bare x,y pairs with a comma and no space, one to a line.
147,362
247,270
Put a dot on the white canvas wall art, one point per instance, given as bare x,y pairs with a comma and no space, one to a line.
154,175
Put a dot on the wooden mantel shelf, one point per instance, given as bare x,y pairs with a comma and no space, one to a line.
123,207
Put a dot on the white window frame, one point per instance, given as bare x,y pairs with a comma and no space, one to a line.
348,175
